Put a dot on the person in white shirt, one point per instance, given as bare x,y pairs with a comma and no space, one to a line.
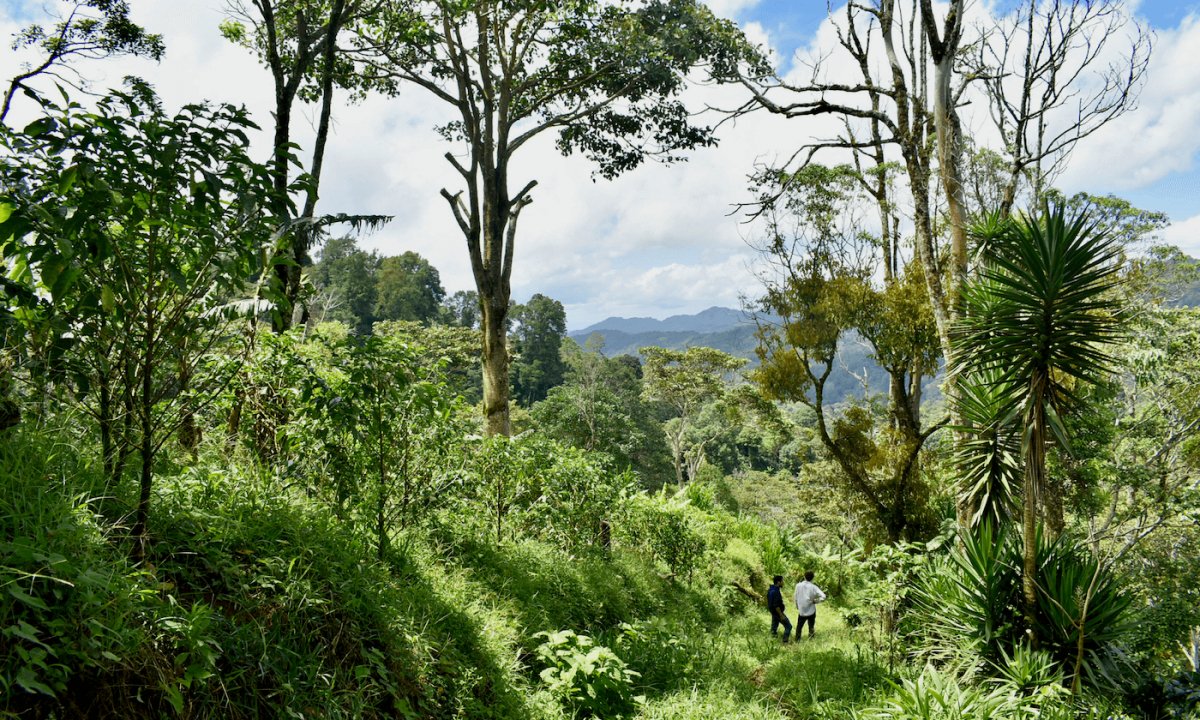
807,597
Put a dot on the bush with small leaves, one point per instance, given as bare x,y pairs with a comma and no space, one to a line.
672,531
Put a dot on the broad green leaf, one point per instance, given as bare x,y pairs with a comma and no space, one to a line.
25,631
64,282
40,127
67,181
26,679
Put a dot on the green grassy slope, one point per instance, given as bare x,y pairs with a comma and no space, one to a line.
254,601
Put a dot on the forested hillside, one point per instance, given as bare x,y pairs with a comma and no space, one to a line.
855,374
254,466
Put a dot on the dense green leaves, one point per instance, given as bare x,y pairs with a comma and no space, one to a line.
409,288
684,381
538,338
1040,312
599,408
141,227
969,608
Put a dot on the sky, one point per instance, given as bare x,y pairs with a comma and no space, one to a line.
660,240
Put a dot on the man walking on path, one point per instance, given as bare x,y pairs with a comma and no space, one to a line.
775,605
807,597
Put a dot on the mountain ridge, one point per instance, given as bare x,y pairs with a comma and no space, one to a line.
713,319
731,331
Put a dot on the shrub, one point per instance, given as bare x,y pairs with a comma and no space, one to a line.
934,695
660,652
670,530
968,608
589,679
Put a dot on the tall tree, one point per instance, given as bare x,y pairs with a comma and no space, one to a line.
298,42
1036,322
685,381
409,288
1033,63
883,107
942,41
823,287
541,327
88,29
911,102
605,77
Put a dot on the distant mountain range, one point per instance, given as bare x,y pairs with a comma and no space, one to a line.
714,319
733,332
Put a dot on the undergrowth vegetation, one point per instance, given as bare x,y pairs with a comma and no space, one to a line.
255,601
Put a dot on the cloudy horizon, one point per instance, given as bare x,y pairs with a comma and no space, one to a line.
660,240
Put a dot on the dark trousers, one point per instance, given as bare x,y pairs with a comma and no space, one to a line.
777,619
801,619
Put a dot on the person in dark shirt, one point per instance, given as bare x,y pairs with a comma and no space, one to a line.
775,605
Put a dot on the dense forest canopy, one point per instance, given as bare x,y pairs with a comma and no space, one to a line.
253,466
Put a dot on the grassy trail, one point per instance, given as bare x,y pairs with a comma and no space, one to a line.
759,677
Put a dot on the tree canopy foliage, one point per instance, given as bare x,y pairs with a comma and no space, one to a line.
606,78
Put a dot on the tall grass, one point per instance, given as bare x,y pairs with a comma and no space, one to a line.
71,608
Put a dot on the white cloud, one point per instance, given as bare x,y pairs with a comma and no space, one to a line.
1158,138
660,291
731,8
657,241
758,35
1185,234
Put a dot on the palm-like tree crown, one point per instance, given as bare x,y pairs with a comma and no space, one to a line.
1041,312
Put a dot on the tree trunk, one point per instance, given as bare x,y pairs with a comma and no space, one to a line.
107,451
949,169
677,455
381,508
282,321
145,413
1052,507
1035,470
495,368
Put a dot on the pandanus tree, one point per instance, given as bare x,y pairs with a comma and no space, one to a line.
1035,323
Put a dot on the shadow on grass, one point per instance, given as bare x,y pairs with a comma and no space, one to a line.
550,590
306,623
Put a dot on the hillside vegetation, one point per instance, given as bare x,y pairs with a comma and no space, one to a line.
732,331
249,469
